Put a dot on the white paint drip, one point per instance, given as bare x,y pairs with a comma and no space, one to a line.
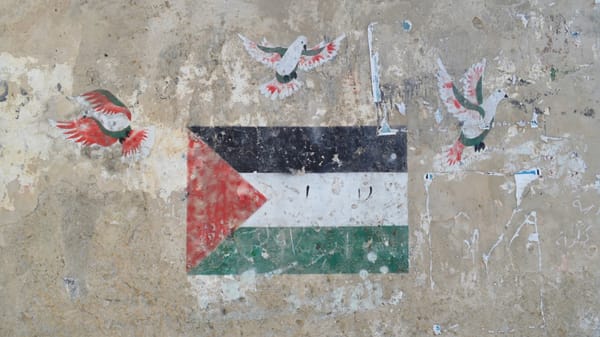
516,234
486,257
425,225
539,249
473,244
374,57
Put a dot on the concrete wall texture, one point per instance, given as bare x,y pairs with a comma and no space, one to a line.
503,242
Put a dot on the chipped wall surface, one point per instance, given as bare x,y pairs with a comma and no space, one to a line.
504,242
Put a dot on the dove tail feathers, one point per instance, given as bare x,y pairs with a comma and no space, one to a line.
275,89
139,143
455,152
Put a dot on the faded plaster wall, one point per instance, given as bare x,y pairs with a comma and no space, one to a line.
93,246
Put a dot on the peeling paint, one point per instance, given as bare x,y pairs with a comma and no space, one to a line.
22,151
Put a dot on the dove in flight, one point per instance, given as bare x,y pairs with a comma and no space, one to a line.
105,121
287,60
475,113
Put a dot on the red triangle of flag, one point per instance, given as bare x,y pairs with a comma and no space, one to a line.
219,201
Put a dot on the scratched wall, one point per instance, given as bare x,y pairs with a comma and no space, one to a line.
505,242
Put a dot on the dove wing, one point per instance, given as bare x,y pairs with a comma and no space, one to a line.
473,83
103,102
265,54
85,131
103,106
320,53
465,111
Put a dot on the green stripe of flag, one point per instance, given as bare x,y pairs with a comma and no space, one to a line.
309,250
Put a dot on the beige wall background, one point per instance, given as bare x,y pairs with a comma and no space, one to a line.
117,229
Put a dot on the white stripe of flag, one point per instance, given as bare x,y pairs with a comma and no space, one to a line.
330,199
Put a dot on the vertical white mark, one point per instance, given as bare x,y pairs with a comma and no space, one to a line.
486,257
427,223
539,245
374,65
292,240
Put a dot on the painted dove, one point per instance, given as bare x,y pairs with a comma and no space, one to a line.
286,61
105,121
475,114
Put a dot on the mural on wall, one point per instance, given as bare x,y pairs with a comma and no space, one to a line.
106,120
476,114
296,200
286,62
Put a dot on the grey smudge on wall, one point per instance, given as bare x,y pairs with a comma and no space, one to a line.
72,287
589,112
414,87
3,90
477,23
518,104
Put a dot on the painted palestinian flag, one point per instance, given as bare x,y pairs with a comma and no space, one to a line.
296,200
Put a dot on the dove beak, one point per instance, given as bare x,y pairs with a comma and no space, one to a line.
505,95
304,47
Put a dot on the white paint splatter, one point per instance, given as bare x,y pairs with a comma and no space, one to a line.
372,257
533,237
401,107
